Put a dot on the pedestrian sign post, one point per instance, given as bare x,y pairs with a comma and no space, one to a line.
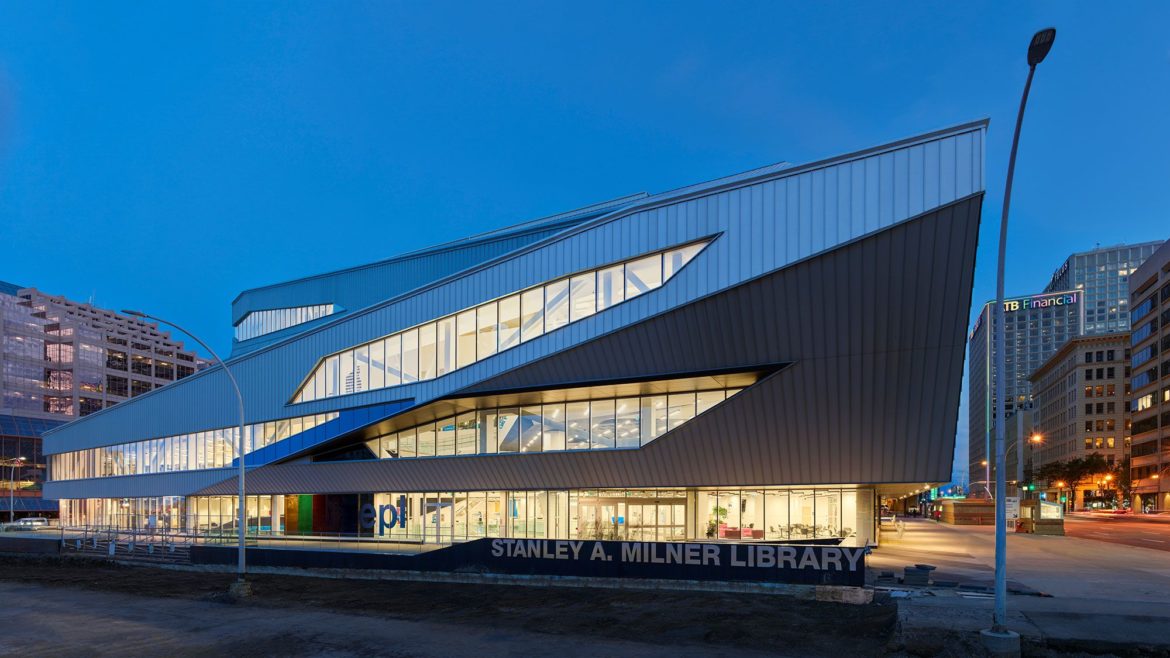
1012,505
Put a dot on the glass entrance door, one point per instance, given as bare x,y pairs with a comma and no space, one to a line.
602,518
657,521
632,519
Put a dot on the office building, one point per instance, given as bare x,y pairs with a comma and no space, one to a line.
1102,276
1035,327
63,360
1149,294
710,362
1079,397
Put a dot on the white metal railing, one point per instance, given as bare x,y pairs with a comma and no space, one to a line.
96,535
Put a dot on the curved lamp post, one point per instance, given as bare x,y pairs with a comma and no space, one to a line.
240,587
998,637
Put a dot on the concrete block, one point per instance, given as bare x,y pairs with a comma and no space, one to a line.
850,595
1001,644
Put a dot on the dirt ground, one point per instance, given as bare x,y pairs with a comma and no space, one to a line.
722,623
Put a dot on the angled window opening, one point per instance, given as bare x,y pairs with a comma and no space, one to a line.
460,339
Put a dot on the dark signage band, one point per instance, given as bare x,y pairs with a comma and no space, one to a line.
805,564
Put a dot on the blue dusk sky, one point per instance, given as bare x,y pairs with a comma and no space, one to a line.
167,157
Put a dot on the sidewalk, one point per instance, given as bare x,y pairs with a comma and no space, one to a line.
1109,594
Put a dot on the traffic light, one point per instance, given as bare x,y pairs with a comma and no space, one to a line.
1064,499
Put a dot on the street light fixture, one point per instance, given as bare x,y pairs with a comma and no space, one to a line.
998,637
241,587
12,488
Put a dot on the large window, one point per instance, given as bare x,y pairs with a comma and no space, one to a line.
466,327
556,305
116,360
119,386
485,340
456,341
210,449
509,322
637,515
611,423
258,323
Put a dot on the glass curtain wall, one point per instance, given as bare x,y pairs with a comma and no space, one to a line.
785,515
456,341
259,323
185,452
679,514
628,422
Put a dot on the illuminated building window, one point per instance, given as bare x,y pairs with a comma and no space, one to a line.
607,424
259,323
458,340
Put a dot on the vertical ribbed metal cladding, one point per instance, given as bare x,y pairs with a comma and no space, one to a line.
765,224
358,287
874,330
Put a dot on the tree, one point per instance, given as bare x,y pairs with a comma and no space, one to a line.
1053,472
1080,470
1123,478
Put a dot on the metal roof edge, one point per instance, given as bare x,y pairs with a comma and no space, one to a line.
650,202
494,235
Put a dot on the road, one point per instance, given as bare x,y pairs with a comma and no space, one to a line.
1120,530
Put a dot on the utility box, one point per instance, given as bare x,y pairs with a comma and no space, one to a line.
970,511
1041,517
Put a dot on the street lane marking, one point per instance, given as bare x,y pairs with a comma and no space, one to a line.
1160,541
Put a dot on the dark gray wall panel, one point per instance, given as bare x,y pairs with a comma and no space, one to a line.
875,331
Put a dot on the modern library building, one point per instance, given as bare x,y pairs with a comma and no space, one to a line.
758,358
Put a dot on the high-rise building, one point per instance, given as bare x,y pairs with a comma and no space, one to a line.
1102,275
62,359
1149,402
1035,327
1079,407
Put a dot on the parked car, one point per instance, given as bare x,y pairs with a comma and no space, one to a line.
31,523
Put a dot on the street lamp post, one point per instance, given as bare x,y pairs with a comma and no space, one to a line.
12,488
1060,494
241,587
998,637
1034,439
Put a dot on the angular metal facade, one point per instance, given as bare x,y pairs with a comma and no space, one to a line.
874,332
856,269
356,288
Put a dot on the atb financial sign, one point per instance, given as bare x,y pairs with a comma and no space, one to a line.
1051,300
